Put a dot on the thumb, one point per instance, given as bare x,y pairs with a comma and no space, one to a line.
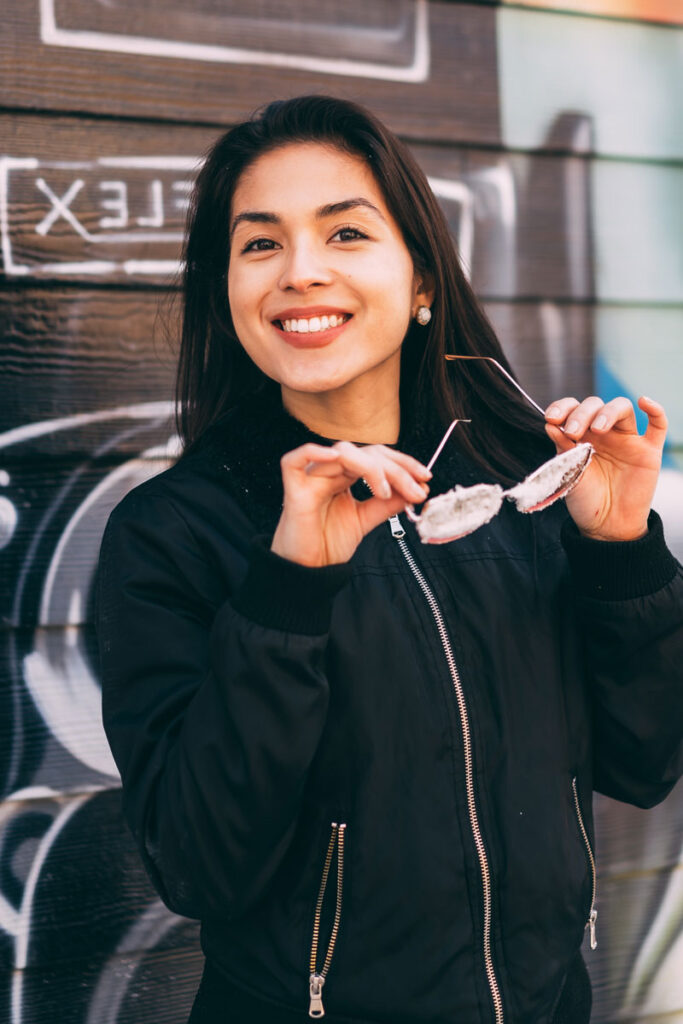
657,422
377,510
559,438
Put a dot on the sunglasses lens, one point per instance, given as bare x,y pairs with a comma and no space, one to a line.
551,481
458,512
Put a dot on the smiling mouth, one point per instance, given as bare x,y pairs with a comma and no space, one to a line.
312,325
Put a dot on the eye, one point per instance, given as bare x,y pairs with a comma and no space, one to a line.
259,245
349,232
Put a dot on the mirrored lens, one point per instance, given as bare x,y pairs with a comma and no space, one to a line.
463,510
551,481
458,512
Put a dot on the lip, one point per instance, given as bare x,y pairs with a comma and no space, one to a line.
316,340
306,312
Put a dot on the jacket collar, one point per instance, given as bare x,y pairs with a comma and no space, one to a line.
243,449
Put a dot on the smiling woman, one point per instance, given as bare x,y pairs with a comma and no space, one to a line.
365,764
326,237
316,200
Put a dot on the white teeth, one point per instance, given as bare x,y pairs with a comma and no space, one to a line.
316,323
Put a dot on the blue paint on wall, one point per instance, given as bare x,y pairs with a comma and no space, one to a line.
609,386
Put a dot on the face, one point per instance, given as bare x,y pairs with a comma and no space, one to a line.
320,282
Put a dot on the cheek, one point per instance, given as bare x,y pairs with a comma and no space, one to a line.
244,297
238,296
392,280
393,298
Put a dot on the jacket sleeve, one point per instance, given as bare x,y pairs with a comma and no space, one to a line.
629,598
213,710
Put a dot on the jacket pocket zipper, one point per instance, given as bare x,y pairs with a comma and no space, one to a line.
317,978
590,923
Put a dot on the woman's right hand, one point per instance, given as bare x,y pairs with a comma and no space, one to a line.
321,522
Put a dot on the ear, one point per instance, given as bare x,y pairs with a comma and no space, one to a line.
423,291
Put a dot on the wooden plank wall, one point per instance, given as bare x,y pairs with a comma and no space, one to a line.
551,139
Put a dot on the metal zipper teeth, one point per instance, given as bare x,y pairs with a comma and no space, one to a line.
591,922
317,978
399,535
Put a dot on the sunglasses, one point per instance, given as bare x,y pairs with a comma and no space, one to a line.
462,510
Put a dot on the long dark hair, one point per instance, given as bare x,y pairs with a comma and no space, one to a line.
214,372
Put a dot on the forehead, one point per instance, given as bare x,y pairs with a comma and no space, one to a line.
303,176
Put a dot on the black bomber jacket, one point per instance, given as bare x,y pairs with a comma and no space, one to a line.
380,773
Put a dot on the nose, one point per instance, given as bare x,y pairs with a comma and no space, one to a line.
304,266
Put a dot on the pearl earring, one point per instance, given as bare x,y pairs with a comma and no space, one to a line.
423,315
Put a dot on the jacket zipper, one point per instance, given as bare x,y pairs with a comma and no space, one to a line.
317,978
398,533
593,916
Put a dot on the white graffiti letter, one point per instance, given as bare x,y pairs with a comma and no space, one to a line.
118,203
182,201
156,219
60,207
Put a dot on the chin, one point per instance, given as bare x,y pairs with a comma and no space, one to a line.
314,384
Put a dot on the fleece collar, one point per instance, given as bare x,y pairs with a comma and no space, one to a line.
244,447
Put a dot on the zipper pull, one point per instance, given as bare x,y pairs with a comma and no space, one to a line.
591,924
316,1009
397,530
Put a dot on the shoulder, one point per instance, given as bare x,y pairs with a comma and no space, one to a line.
176,541
172,487
193,496
179,536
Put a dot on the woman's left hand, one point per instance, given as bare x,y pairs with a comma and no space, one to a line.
613,497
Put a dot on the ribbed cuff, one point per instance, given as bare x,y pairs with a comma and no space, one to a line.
619,570
282,594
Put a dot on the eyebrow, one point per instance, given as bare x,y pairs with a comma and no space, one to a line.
329,210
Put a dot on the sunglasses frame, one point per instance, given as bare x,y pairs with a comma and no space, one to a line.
495,492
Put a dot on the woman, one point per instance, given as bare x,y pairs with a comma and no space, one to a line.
366,763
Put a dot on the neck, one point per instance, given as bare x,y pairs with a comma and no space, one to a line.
360,412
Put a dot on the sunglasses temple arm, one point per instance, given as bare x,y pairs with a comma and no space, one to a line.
502,369
443,442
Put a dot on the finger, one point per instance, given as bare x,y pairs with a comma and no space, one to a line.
414,466
375,511
657,423
560,409
618,413
324,469
376,468
559,438
404,483
357,462
581,417
299,458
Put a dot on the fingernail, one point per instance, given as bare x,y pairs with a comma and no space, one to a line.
572,427
419,491
553,411
600,422
385,489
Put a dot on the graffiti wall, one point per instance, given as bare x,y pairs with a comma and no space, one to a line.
551,137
